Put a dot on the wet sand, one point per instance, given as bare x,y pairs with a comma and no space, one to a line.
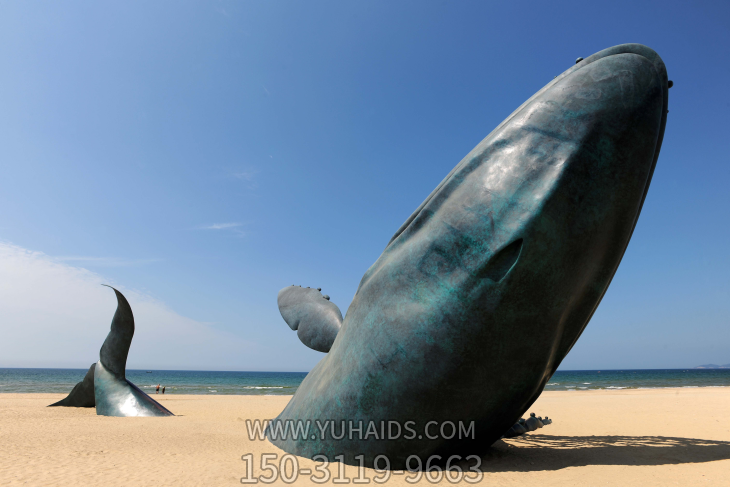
628,437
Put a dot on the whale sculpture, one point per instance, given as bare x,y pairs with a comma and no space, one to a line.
482,292
113,394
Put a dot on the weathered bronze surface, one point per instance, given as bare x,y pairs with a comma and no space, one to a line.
486,287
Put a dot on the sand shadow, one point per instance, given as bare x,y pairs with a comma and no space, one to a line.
544,452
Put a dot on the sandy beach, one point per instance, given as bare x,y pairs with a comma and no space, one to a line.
628,437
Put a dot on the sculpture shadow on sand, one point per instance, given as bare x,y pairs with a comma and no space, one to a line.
544,452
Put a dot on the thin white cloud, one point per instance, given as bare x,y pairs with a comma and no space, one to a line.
245,176
221,226
56,315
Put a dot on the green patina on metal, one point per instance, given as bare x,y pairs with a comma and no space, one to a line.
482,292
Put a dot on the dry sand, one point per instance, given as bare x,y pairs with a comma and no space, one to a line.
635,437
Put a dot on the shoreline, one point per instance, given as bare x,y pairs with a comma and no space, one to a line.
286,383
216,394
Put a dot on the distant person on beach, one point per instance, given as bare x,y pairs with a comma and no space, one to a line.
163,389
157,391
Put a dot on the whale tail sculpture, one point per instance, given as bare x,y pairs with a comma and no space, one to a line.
115,395
482,292
105,385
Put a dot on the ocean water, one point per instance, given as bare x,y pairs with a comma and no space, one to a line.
175,381
637,379
286,383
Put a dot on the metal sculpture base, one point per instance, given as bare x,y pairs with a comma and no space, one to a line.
120,397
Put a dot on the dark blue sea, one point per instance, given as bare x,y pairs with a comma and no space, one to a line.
286,383
637,379
175,381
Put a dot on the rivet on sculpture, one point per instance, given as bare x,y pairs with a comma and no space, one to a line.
487,286
105,385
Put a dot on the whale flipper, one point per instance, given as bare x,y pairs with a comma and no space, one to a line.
315,318
113,393
525,426
82,395
518,429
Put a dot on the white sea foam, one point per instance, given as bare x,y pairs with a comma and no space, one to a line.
553,384
261,387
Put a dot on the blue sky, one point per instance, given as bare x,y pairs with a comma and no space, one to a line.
203,155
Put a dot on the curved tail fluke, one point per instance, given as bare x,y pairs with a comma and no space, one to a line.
114,351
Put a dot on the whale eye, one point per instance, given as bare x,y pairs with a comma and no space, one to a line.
502,262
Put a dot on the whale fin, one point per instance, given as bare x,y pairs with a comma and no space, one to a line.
82,395
114,351
315,318
523,426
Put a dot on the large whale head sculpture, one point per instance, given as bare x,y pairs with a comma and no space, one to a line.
482,292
